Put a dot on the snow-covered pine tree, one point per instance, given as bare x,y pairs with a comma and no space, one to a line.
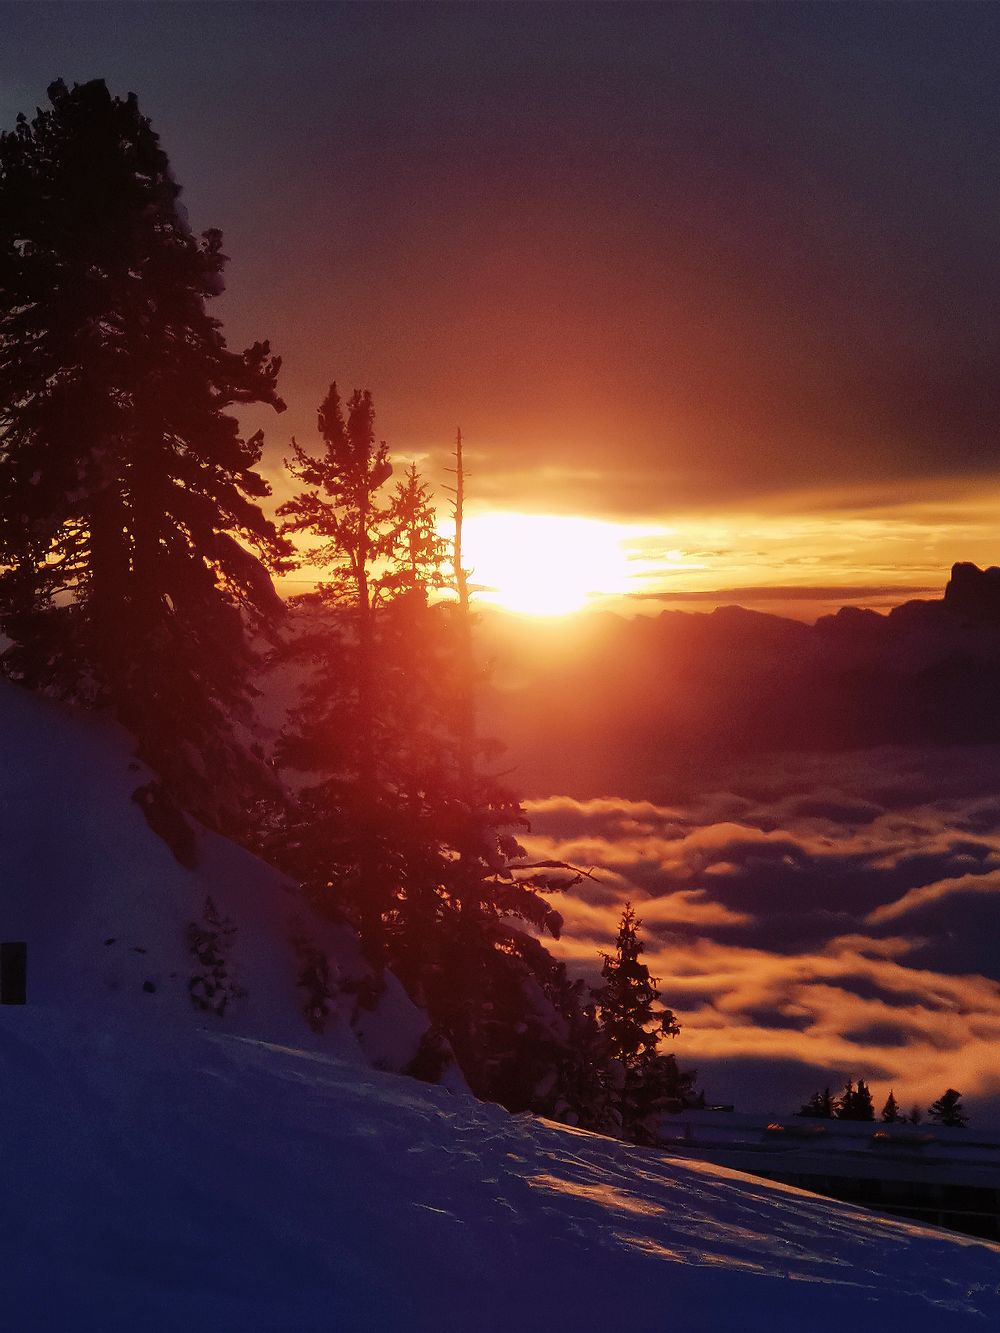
948,1110
132,546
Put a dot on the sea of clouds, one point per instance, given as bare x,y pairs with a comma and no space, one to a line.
811,918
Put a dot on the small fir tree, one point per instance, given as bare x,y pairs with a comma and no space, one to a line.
417,551
891,1114
633,1023
820,1106
627,999
212,987
948,1110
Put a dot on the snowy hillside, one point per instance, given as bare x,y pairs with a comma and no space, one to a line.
165,1169
105,908
200,1181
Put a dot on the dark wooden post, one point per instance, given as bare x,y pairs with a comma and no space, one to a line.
13,972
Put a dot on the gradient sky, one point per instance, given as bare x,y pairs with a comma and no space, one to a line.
724,273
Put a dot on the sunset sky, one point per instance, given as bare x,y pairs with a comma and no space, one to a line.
722,277
712,292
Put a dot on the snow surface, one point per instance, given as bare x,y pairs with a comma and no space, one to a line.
161,1169
105,907
170,1178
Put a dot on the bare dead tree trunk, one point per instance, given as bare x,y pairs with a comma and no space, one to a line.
367,758
465,703
465,706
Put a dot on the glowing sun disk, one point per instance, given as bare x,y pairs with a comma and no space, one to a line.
541,564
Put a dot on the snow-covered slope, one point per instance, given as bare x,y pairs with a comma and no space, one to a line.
162,1169
175,1179
105,908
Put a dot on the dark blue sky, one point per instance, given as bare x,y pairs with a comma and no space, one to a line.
650,256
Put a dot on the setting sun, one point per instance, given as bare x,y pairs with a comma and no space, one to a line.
543,565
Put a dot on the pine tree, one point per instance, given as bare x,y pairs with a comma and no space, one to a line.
405,832
633,1023
948,1110
132,546
915,1116
417,552
820,1106
628,998
339,730
891,1114
863,1105
855,1103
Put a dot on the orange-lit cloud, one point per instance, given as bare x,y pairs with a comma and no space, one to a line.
928,895
803,932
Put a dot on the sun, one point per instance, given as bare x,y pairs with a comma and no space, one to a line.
542,564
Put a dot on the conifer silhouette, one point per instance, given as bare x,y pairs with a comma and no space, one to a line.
132,545
628,996
891,1114
406,832
948,1110
633,1025
820,1106
855,1103
342,825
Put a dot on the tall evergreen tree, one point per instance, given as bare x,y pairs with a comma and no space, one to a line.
628,998
948,1110
521,1028
405,831
633,1022
340,729
132,546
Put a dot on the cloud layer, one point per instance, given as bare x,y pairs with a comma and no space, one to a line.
818,918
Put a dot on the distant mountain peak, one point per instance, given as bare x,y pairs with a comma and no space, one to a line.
973,593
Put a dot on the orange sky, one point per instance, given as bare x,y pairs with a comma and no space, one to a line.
800,560
724,275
